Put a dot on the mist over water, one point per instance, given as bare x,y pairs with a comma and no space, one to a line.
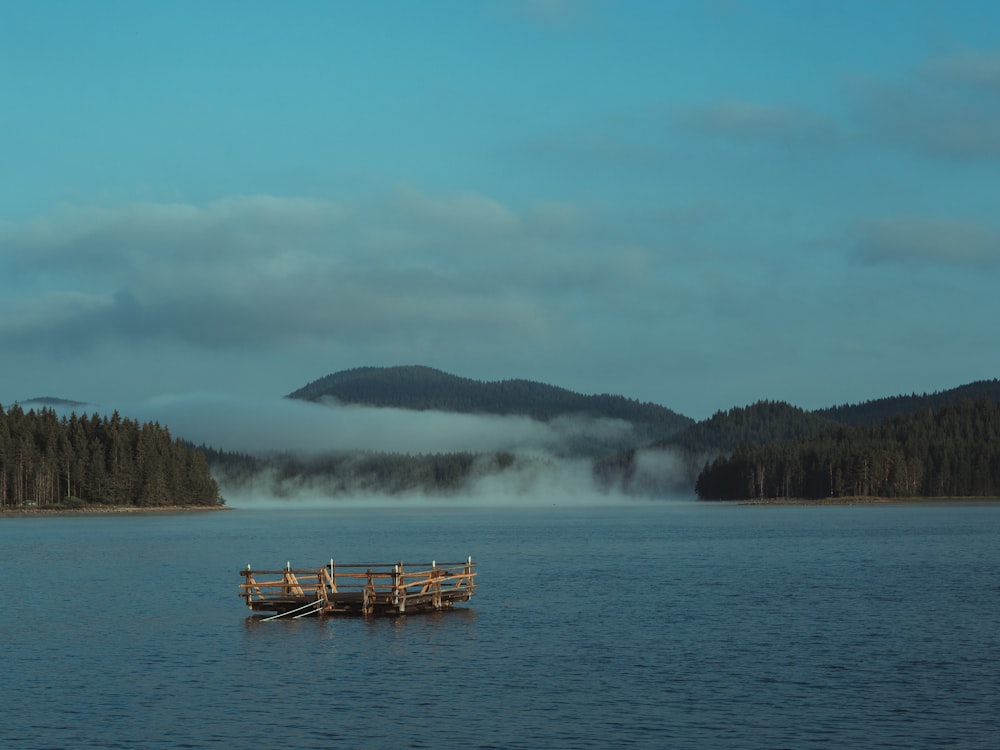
548,467
263,425
558,483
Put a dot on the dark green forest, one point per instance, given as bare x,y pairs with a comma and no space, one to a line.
953,451
75,461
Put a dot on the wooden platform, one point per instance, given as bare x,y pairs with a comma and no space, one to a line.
366,590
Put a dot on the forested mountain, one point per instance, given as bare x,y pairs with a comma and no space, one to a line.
423,388
777,421
73,461
952,451
874,411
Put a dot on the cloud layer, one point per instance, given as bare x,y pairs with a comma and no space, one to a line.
261,270
929,240
947,107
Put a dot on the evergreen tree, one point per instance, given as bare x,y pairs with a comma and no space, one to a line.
46,461
953,451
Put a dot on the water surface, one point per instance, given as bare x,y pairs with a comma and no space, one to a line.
679,625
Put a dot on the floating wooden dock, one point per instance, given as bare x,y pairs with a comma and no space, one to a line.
366,590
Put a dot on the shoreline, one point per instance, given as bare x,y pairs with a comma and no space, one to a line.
863,500
97,510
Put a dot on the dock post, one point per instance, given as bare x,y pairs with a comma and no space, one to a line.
436,588
400,588
368,598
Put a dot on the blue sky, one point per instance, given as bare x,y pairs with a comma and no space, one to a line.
700,204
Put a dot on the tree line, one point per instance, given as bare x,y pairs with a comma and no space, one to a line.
953,451
48,461
346,473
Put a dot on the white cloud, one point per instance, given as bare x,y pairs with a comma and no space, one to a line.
948,107
464,211
743,119
980,69
917,238
129,238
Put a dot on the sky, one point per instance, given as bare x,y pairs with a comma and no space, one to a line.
698,203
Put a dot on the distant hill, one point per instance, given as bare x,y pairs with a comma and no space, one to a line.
52,402
872,412
421,388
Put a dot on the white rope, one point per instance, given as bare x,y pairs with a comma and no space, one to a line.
316,604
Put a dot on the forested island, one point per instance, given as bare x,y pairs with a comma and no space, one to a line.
78,462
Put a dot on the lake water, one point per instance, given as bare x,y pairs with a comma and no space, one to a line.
673,625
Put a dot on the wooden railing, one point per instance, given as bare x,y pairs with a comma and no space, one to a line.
380,588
